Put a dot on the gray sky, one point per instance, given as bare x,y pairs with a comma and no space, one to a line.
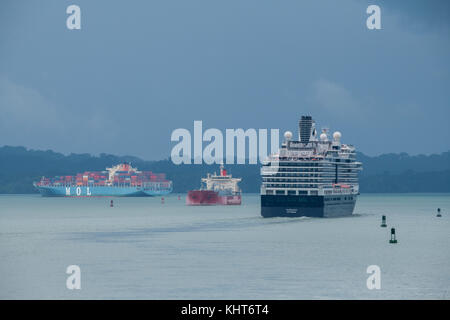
137,70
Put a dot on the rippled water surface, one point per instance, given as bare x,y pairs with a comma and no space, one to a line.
143,249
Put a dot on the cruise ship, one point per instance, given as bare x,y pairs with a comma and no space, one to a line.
314,176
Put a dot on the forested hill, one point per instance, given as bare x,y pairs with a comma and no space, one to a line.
19,167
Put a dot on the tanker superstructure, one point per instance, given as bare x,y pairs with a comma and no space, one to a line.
312,176
121,181
216,190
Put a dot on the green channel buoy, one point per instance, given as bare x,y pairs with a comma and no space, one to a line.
383,222
393,239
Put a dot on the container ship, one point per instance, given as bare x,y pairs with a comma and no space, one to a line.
120,181
216,190
312,176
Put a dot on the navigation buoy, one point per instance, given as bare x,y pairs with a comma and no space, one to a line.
393,239
162,200
439,213
111,204
179,198
383,222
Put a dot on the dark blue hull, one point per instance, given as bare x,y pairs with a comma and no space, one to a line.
307,206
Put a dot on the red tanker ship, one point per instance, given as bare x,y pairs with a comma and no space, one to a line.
216,190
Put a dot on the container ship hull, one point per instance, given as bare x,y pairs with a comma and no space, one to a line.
99,191
211,198
307,206
121,180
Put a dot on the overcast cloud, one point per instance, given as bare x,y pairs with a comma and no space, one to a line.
137,70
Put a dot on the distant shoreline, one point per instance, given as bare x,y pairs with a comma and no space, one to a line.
387,173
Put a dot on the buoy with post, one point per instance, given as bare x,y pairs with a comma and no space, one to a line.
111,204
393,238
383,221
162,200
439,213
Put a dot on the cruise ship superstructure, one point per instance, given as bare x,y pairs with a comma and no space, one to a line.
314,176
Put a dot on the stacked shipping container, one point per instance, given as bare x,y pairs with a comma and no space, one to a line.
100,178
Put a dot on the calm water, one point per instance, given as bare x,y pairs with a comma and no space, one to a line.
142,249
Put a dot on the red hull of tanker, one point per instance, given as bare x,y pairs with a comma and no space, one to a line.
210,198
